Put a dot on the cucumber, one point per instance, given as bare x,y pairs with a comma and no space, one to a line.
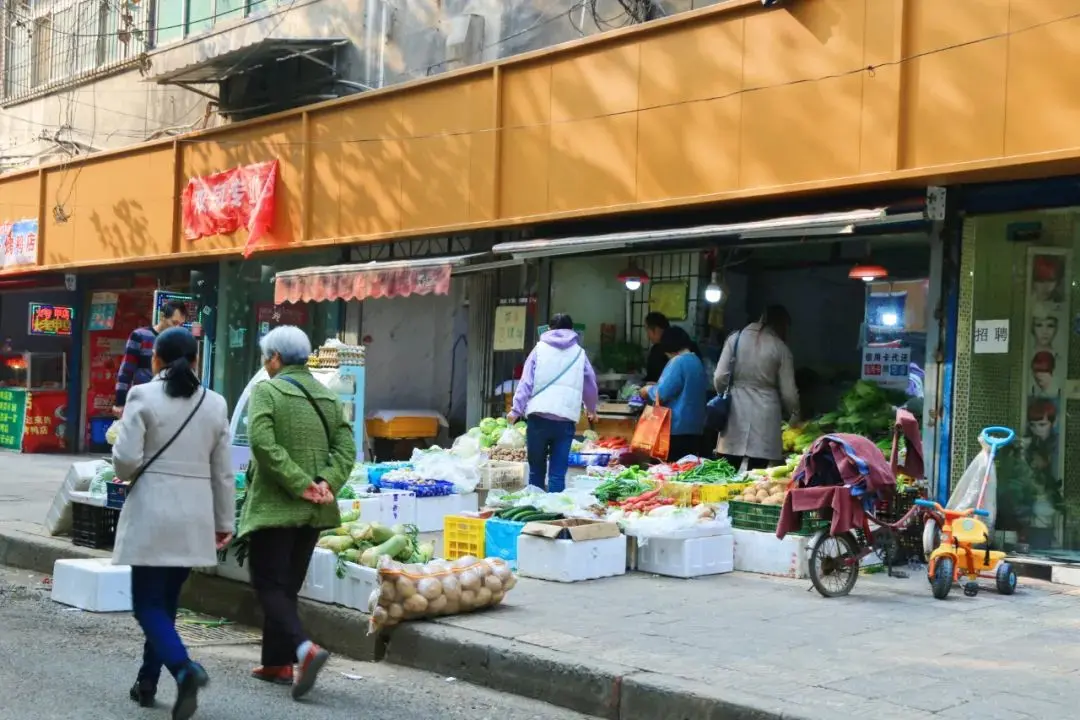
518,512
544,517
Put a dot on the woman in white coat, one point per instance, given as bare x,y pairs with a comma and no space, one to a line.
763,391
173,445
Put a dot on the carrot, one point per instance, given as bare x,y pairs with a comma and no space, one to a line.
650,495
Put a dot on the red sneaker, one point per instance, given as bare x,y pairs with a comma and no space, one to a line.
309,669
276,675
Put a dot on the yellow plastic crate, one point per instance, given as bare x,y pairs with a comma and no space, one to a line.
463,536
681,492
402,428
711,494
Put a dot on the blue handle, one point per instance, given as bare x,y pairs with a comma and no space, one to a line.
997,436
982,513
926,503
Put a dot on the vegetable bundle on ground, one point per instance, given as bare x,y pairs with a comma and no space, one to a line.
439,587
365,543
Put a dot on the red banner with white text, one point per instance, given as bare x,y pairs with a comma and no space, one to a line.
222,203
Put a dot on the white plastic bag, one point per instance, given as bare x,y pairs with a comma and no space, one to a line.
438,464
966,494
511,439
466,446
104,475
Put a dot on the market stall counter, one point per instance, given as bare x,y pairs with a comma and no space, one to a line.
33,402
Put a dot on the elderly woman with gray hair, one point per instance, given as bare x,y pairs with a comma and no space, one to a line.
302,452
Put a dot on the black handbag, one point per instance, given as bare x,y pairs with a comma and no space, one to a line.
718,410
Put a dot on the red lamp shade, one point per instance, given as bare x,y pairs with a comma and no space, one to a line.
633,278
868,273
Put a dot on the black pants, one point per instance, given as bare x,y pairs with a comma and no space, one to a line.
279,559
683,445
751,463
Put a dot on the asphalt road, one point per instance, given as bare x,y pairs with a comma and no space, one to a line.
57,663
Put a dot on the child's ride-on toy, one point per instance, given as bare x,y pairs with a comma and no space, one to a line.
964,548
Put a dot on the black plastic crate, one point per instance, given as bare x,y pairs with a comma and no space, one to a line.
93,526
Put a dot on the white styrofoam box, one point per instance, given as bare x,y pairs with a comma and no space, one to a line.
321,582
230,568
430,511
687,557
94,585
85,498
398,506
354,590
79,475
761,552
570,561
370,507
697,530
585,483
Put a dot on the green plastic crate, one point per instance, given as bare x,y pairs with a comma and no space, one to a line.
764,518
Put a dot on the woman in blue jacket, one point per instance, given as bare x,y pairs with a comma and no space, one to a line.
682,388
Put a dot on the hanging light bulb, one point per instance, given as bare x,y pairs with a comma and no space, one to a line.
713,292
868,273
633,278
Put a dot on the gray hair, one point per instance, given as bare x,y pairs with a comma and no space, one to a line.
288,341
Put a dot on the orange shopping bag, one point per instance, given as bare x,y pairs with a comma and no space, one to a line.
653,432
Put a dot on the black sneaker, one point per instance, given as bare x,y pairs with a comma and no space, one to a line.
144,694
188,683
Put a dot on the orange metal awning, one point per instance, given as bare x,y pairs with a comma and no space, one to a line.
427,276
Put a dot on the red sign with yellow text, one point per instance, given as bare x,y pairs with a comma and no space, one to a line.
45,426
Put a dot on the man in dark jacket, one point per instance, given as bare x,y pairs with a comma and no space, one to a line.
655,325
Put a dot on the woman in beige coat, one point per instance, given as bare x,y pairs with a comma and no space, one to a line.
763,393
173,445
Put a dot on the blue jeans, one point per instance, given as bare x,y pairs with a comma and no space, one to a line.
548,444
155,598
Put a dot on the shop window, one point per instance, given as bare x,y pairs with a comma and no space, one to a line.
1018,365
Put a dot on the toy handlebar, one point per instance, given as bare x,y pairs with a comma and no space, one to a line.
996,436
927,504
930,504
981,513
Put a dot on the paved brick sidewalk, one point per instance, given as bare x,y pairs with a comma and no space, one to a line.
888,651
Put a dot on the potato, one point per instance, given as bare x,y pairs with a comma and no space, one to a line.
483,597
470,580
493,583
501,569
430,588
451,587
437,606
465,562
412,569
497,597
453,607
379,616
395,611
405,588
416,604
468,600
510,583
387,592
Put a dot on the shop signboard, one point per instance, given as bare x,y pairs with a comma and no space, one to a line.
103,311
12,418
222,203
510,323
991,337
18,243
163,298
1046,369
45,424
888,367
50,320
269,316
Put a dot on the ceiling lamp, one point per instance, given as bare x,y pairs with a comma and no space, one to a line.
714,292
868,273
633,277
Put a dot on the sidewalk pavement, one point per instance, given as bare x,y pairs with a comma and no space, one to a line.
737,646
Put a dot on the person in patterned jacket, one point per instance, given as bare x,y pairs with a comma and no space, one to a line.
136,368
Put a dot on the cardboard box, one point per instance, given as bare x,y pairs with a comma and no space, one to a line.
574,529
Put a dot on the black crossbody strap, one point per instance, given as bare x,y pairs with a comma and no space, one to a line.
311,399
142,468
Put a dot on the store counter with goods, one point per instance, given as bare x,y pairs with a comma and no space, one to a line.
33,402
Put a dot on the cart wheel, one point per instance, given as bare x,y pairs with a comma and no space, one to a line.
941,582
971,589
1006,579
834,564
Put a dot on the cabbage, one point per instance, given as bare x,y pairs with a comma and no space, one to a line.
488,425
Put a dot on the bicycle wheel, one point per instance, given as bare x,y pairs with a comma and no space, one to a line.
833,564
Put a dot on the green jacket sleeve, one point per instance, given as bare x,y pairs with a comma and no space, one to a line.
272,460
342,453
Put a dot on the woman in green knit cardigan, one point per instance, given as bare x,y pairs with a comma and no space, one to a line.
302,452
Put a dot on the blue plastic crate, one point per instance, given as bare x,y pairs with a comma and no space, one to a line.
595,459
99,426
376,472
432,488
500,539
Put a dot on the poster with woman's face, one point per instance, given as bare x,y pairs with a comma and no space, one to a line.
1046,350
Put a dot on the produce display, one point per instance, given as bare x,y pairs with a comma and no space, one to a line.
630,482
710,472
771,484
508,454
527,513
867,409
439,587
645,502
365,543
490,430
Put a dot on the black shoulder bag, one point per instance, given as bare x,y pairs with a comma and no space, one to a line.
318,411
142,468
718,410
